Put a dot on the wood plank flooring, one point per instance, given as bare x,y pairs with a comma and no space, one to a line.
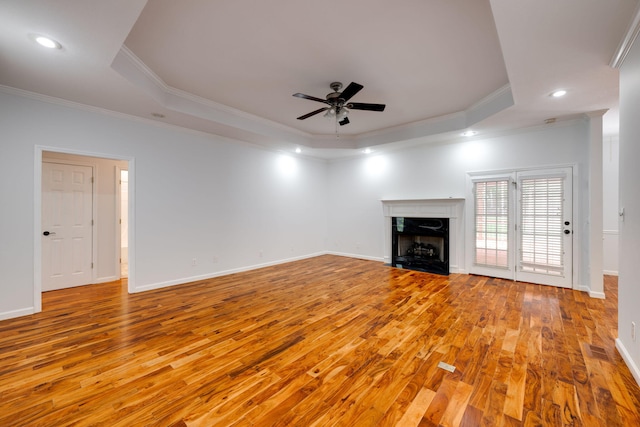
328,341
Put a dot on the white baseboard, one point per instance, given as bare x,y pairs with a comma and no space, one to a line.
212,275
190,279
358,256
105,279
452,268
628,360
610,273
17,313
598,295
592,294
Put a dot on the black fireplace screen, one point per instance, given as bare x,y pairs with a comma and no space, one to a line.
420,244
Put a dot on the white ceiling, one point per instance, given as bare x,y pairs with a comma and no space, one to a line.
231,67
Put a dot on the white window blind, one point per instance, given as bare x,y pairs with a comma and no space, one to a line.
492,223
541,242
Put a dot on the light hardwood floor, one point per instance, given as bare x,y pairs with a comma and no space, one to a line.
320,342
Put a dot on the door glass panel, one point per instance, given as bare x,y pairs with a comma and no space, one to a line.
492,223
541,213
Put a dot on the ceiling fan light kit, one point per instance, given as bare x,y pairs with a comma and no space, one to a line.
338,105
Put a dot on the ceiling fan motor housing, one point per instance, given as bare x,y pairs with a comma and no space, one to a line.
334,99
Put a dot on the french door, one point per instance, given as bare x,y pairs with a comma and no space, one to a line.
522,226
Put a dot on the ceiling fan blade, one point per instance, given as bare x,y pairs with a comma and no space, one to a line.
309,97
344,121
313,113
351,90
365,106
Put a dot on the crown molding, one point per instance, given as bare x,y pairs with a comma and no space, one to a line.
454,122
262,132
595,114
9,90
627,42
127,64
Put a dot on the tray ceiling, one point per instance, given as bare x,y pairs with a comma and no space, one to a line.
230,68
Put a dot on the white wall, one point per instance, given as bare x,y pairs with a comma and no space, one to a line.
229,205
232,206
610,161
356,186
628,283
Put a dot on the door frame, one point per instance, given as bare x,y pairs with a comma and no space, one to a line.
37,215
578,226
118,185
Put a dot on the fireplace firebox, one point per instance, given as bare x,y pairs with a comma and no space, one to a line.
420,244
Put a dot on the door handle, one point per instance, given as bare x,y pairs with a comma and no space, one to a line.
46,233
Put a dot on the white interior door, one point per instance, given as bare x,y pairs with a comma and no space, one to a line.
523,226
67,193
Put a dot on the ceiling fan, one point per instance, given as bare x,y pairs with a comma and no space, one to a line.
338,105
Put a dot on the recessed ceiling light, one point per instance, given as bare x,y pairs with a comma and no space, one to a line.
298,150
559,93
469,133
367,151
46,42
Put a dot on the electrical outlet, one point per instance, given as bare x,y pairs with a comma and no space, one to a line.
214,259
260,253
633,331
194,262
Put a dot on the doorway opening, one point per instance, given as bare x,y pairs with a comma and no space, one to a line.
124,223
108,220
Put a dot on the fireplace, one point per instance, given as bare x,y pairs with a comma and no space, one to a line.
420,244
451,209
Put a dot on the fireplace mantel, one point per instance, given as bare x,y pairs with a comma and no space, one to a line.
424,208
452,208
